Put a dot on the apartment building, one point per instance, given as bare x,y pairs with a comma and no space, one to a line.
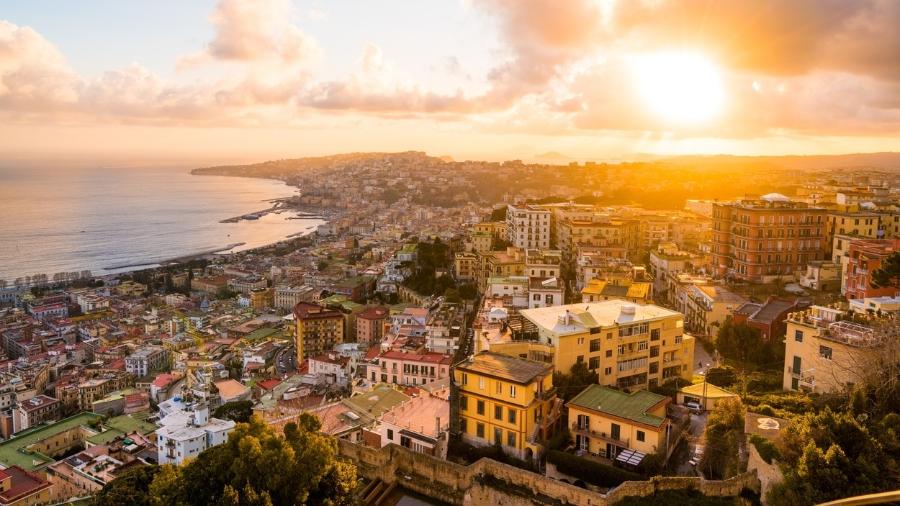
185,434
465,266
605,421
864,256
542,263
509,262
443,328
760,240
286,297
615,237
370,324
508,401
35,411
409,368
827,350
146,360
528,226
317,329
629,345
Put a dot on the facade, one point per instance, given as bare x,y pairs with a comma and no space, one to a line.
18,487
825,352
370,324
286,297
768,317
506,400
705,307
597,290
317,330
760,240
629,345
146,360
465,266
864,257
528,226
545,292
405,368
35,411
420,424
331,367
443,328
605,421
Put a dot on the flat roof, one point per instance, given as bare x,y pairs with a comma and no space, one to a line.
13,452
587,315
515,369
633,406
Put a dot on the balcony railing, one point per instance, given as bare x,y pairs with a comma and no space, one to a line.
585,431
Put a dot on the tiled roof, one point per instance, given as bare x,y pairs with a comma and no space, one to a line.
518,370
633,406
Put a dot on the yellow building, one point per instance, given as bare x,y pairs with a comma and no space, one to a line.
465,266
318,329
261,298
629,345
826,352
130,288
510,262
605,421
598,290
506,400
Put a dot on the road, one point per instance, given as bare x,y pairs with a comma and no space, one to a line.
286,361
701,357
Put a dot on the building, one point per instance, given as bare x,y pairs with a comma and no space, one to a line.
605,421
704,394
629,345
705,307
768,317
506,400
865,256
185,434
542,263
546,292
528,226
317,330
331,368
760,240
18,487
146,360
35,411
370,324
465,266
246,284
828,352
420,424
444,328
597,290
409,368
286,297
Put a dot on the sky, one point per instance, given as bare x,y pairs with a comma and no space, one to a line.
206,81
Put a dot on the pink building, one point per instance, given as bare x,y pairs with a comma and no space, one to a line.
865,256
370,324
409,368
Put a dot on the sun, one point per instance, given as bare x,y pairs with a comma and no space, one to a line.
681,87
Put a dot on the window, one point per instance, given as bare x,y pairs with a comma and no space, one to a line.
608,353
481,383
654,367
479,430
595,345
797,365
798,336
641,436
607,371
511,439
499,387
498,436
390,434
498,412
480,407
465,379
511,416
579,358
512,391
594,363
654,335
463,403
463,425
825,352
580,341
615,431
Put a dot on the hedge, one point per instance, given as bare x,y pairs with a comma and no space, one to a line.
589,471
766,448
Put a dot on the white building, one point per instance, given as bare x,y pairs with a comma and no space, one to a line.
545,292
186,434
420,424
286,297
146,360
528,226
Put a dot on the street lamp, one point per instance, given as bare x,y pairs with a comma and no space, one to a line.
705,373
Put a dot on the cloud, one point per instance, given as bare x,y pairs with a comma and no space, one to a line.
34,75
254,31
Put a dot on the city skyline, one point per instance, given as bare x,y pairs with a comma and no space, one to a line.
239,80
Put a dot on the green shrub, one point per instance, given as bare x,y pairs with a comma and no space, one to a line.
678,498
767,449
764,409
589,471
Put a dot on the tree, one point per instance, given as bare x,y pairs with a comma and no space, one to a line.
746,344
258,467
888,275
724,435
452,295
132,487
225,293
579,378
238,411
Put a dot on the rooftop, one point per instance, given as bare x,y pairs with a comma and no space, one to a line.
517,370
14,451
633,406
578,318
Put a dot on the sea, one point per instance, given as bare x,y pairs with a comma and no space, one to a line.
110,220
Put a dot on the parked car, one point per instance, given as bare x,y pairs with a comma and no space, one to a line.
693,406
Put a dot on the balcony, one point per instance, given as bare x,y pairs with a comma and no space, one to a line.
585,431
546,394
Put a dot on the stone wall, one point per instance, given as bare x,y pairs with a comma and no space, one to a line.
490,482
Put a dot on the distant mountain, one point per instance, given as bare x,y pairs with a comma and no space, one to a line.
553,157
886,160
